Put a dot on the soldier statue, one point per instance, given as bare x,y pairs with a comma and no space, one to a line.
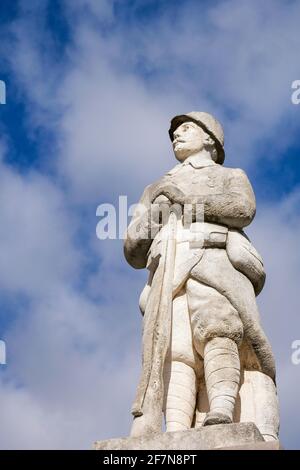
206,358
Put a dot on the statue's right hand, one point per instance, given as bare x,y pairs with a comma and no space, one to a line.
159,206
162,199
171,192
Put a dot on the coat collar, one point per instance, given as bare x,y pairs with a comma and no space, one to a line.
195,161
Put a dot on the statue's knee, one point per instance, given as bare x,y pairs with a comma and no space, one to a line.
212,315
207,327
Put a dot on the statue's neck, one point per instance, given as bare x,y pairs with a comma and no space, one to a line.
202,157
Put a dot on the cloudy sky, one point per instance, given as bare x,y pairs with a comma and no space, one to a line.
91,87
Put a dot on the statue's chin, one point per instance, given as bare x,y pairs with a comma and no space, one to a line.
181,155
183,152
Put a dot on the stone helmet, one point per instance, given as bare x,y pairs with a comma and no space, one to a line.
208,123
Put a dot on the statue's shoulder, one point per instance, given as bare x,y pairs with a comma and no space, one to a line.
237,173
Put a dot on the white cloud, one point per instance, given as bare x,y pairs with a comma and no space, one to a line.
36,234
73,358
67,362
234,59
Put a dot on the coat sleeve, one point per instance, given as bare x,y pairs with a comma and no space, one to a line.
140,232
236,206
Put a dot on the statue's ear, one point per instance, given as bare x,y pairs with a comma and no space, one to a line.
208,139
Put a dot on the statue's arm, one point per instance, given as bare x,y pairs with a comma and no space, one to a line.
236,206
233,204
140,232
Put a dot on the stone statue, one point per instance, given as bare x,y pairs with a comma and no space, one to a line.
206,358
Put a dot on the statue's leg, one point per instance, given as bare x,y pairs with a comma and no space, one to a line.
267,408
222,377
217,332
180,370
180,396
258,396
259,403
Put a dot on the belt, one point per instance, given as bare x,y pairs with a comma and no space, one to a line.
197,235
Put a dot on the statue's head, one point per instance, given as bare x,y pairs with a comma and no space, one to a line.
192,132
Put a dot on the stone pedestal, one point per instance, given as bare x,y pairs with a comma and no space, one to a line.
237,436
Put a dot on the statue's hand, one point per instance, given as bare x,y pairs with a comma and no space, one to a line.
170,192
160,205
162,199
162,208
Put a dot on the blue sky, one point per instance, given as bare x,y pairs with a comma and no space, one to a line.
91,88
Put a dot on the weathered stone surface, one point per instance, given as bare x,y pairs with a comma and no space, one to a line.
206,358
235,436
270,445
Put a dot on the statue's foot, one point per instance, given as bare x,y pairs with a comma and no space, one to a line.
213,417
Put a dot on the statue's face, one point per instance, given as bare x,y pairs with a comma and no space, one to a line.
188,140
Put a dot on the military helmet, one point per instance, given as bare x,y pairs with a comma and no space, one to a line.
208,123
